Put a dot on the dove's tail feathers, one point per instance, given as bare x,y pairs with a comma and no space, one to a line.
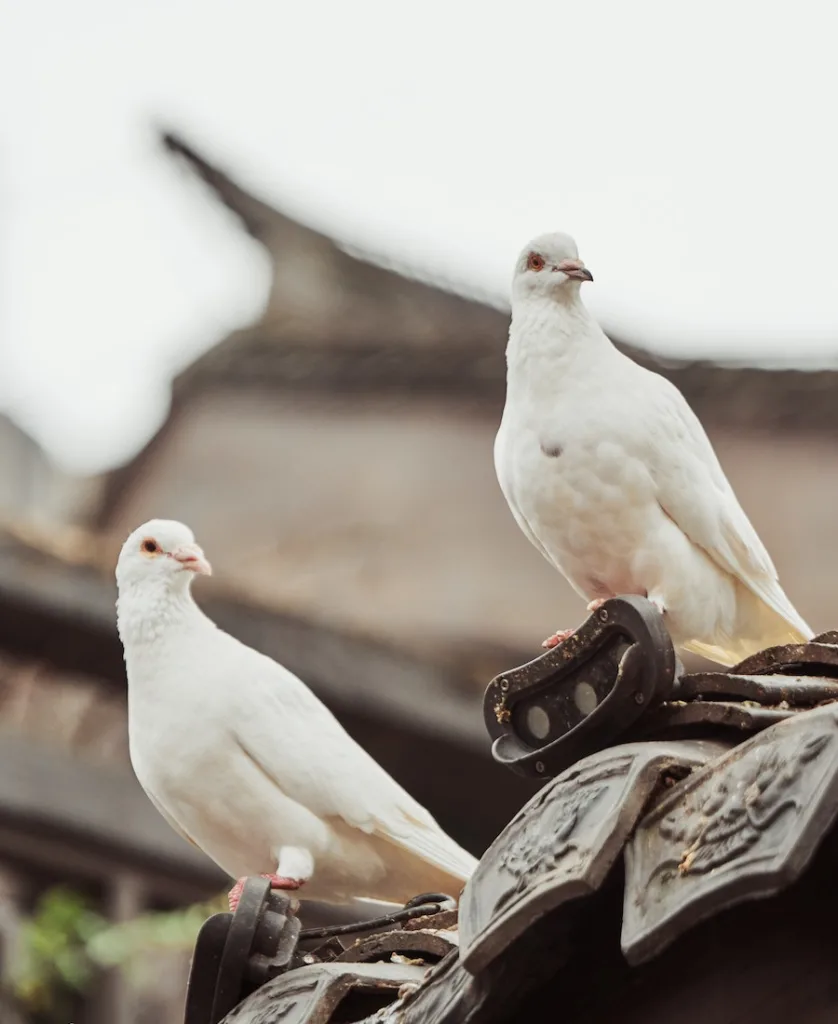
420,857
769,619
409,873
422,839
721,655
767,607
441,851
759,624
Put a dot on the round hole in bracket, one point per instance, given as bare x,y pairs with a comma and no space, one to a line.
538,721
585,698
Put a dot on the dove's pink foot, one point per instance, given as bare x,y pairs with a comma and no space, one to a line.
277,882
595,605
557,637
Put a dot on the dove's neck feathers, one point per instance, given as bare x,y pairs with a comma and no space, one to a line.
550,341
149,613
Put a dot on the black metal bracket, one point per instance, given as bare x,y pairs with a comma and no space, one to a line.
617,679
236,953
584,693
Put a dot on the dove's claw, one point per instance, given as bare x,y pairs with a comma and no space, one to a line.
277,882
595,605
235,894
557,637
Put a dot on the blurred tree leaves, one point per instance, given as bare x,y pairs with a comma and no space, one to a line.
52,965
66,942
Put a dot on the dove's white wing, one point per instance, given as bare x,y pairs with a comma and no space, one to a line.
297,742
694,492
171,821
502,472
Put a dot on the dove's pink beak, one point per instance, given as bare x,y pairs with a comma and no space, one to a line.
575,269
191,557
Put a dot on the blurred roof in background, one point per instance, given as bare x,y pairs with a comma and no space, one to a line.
344,322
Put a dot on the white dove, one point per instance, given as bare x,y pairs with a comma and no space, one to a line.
242,759
609,473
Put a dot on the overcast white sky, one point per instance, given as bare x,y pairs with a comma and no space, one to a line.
690,147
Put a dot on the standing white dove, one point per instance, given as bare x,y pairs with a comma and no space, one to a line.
610,475
242,759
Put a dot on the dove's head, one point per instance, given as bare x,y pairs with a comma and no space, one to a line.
161,552
550,266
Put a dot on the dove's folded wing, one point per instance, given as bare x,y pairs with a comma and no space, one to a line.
694,492
509,493
170,820
300,745
527,530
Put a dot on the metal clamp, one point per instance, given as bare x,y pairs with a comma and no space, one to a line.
236,953
580,696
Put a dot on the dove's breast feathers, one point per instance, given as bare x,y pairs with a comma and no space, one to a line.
245,760
611,476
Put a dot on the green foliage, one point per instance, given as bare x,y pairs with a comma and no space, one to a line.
129,944
65,943
53,963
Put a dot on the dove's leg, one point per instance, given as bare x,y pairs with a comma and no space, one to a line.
593,606
295,866
277,882
294,862
557,637
563,634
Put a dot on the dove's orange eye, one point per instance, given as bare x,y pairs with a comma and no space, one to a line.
150,546
535,262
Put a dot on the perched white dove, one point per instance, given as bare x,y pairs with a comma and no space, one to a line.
242,759
609,473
